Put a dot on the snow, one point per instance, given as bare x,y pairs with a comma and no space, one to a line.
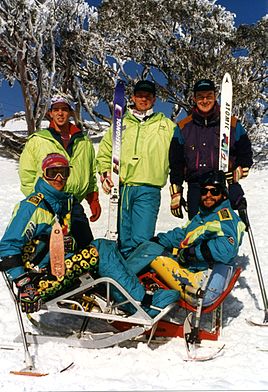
241,366
18,125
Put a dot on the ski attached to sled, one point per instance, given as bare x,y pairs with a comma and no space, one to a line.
33,373
118,112
196,350
191,330
56,250
225,121
28,372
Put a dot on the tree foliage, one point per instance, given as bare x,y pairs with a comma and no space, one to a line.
56,45
31,36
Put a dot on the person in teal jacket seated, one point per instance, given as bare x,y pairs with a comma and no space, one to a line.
24,248
214,234
210,240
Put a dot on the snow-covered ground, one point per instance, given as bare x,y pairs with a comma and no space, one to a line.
242,366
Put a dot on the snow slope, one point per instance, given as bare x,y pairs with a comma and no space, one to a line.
242,366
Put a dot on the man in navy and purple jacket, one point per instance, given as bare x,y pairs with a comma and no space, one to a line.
194,151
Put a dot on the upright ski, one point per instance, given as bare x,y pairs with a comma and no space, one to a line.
117,138
225,128
225,121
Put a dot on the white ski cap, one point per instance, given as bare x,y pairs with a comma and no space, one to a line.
60,99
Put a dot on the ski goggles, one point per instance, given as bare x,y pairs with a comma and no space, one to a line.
51,173
213,191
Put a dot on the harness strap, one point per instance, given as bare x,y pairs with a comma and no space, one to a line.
50,209
10,262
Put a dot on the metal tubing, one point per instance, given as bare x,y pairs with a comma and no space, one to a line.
28,358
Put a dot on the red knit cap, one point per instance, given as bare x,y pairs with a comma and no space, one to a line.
52,160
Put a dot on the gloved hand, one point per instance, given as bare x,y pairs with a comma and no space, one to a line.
93,201
106,182
176,200
187,256
237,174
30,299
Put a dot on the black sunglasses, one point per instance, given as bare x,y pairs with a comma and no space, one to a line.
213,191
51,173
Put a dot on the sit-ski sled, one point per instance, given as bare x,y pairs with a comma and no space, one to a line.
92,299
192,332
186,322
87,302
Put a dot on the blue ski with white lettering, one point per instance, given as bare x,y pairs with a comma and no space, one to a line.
119,101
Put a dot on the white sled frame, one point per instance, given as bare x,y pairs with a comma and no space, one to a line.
112,312
139,322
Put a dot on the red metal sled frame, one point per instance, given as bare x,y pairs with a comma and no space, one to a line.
169,329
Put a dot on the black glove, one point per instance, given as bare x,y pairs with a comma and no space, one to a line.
8,262
30,299
187,256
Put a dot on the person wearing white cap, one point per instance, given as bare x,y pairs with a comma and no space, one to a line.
65,138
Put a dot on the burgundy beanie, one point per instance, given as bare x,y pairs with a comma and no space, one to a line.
54,159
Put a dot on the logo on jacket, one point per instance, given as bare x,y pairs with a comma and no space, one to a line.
225,214
36,199
231,240
30,230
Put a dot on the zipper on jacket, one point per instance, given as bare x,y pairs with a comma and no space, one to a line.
136,142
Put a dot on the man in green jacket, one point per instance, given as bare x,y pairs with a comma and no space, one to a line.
144,166
64,138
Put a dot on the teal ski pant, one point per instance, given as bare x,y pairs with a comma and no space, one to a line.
138,212
113,265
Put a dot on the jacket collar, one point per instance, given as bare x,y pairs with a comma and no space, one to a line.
73,129
153,117
209,119
205,212
57,199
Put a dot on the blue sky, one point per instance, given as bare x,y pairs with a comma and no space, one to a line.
247,11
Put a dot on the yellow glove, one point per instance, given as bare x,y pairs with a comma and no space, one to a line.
106,182
176,200
237,174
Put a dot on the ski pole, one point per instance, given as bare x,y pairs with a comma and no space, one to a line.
245,219
28,358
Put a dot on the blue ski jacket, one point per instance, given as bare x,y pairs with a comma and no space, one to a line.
31,225
221,228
